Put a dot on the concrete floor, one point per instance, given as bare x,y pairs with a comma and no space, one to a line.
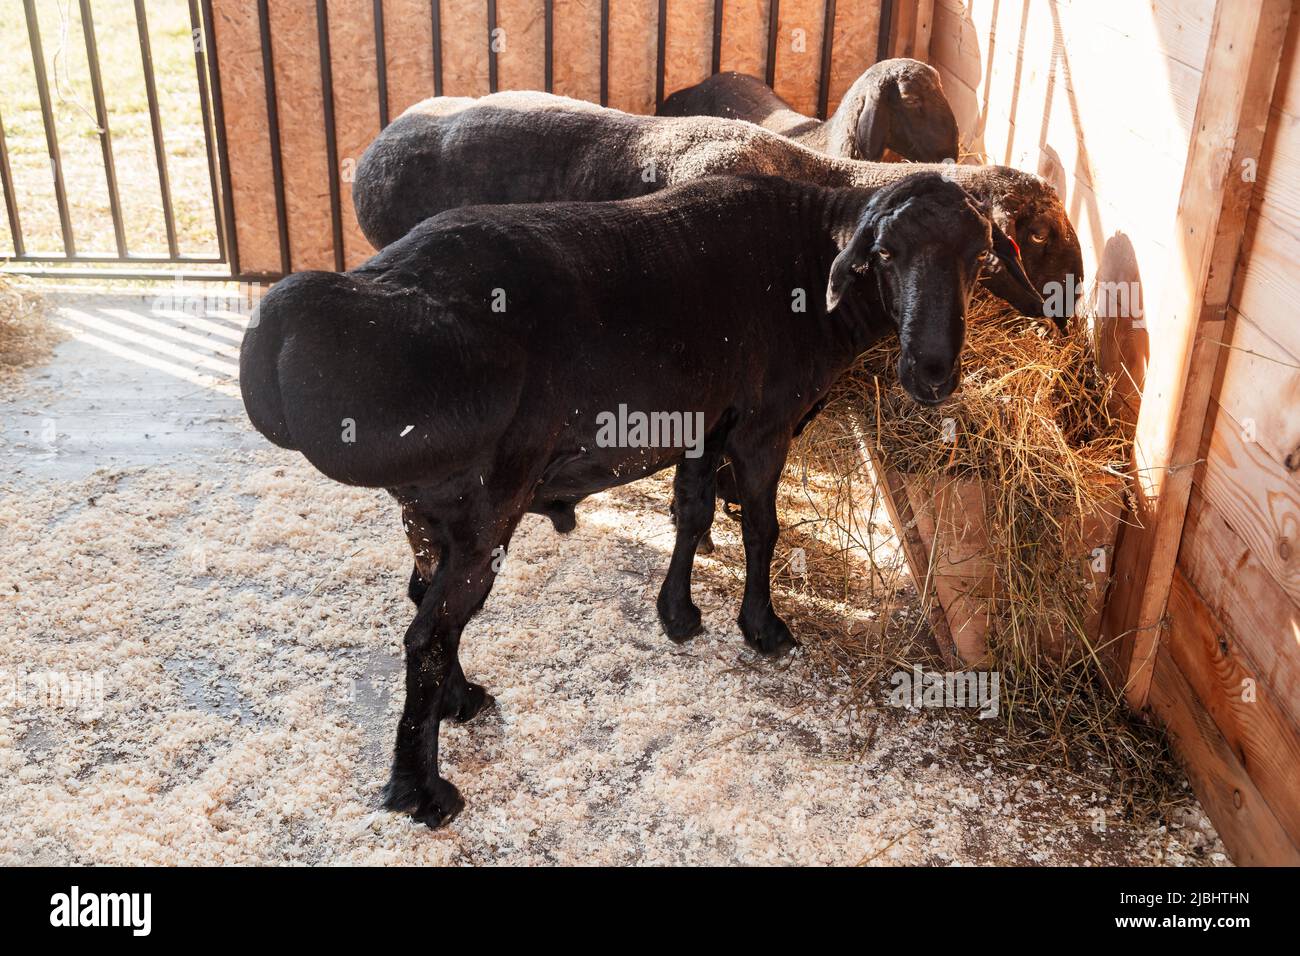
134,384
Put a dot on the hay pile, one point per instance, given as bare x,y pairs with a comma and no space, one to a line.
1032,422
26,336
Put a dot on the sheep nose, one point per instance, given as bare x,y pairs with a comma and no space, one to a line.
932,374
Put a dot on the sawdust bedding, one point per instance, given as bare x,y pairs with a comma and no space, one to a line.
245,622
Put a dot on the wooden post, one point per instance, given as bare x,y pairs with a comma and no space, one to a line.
1231,114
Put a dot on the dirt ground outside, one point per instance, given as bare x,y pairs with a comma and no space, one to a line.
200,645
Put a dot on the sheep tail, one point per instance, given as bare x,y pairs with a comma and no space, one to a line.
259,373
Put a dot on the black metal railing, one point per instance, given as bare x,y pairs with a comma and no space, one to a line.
72,254
227,264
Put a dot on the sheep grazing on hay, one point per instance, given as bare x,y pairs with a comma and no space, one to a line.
478,359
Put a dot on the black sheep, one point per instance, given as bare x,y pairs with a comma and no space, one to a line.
448,152
896,104
477,357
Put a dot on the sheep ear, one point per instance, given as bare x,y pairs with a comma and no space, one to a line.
873,125
843,271
1009,279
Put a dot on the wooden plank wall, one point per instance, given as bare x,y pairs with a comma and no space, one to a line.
1235,629
1099,97
463,45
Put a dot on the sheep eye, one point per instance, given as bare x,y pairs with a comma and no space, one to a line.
884,254
1038,237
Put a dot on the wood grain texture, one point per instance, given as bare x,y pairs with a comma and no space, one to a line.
857,30
1260,388
744,37
1258,615
408,49
917,554
798,53
1241,815
302,134
521,63
1258,497
356,107
1251,718
633,55
1240,70
688,44
464,48
577,49
955,546
243,90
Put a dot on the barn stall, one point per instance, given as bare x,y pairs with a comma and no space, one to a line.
1184,234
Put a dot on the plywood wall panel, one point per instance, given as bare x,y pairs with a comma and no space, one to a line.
1258,497
1260,388
356,107
857,31
243,90
798,53
688,50
1256,613
464,48
577,49
521,63
408,51
1244,820
1267,286
1253,726
633,55
744,37
294,41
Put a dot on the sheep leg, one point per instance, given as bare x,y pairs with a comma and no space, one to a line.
692,508
435,684
422,537
758,471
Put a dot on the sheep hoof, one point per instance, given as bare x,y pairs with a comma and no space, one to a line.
680,624
772,638
706,544
473,702
402,795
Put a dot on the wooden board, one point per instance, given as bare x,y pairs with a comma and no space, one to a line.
302,134
408,52
799,52
955,551
1260,388
1243,818
464,48
1257,614
577,49
633,56
1253,720
1241,67
243,90
857,32
521,61
744,37
356,108
688,51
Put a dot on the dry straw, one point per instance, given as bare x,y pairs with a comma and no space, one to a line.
1033,423
26,336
